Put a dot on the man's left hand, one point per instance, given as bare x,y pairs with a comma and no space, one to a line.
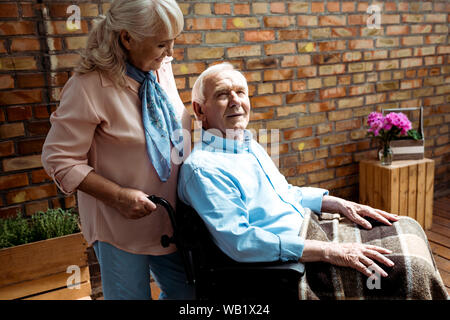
356,212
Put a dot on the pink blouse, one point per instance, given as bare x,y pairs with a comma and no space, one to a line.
99,127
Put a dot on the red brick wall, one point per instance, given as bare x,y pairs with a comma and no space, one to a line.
314,68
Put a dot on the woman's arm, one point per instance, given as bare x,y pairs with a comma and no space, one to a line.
131,203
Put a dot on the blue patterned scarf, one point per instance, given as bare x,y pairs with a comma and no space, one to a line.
159,121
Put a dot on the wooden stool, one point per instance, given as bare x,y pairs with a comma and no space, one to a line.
404,188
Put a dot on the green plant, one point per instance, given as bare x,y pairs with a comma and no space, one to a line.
14,231
40,226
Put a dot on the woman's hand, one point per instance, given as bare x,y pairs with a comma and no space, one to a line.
355,211
357,256
133,204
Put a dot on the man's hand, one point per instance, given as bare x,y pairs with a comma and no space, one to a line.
355,211
358,256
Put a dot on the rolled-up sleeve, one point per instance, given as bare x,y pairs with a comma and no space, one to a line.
73,124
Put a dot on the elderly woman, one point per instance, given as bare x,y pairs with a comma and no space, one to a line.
111,140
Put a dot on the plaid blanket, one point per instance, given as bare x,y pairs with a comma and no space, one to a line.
414,275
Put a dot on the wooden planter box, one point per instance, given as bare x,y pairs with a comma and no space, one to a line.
38,270
408,149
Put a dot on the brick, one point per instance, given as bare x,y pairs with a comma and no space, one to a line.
278,21
411,63
410,84
350,102
279,48
321,33
259,8
387,42
421,28
32,193
306,72
10,212
58,79
375,55
293,34
332,45
76,43
30,146
296,61
255,116
348,125
306,144
6,148
335,20
19,113
188,68
338,161
33,207
334,139
13,181
241,9
399,95
298,7
331,69
321,106
243,23
261,63
8,28
333,6
321,176
11,130
86,10
412,41
314,83
307,21
204,24
281,124
280,74
436,18
6,81
220,37
298,133
300,97
22,163
243,51
222,8
388,86
357,19
387,65
362,89
8,10
412,18
298,85
266,101
360,67
39,176
262,35
344,32
17,63
311,166
199,53
317,7
351,56
340,115
32,80
311,120
397,30
360,44
25,44
63,61
20,97
294,109
435,39
202,9
332,93
61,28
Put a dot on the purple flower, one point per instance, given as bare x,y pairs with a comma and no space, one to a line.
388,127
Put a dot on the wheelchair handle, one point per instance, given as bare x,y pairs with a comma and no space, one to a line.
165,239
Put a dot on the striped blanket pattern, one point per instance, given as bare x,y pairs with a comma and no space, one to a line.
414,275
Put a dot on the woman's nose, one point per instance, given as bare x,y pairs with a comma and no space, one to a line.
169,49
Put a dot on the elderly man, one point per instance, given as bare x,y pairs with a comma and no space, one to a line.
253,214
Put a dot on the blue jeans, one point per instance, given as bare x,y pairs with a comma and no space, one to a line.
126,276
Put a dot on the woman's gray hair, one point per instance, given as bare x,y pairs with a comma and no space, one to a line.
198,93
140,18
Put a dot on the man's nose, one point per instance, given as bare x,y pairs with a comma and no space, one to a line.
234,99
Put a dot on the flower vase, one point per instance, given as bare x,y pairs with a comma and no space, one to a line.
385,154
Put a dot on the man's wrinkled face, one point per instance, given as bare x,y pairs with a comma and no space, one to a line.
227,105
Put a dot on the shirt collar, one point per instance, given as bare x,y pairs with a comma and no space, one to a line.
219,144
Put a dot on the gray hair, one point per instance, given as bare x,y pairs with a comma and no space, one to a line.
140,18
198,90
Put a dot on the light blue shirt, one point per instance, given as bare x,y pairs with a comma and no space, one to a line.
251,211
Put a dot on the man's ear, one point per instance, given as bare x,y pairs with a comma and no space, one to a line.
125,39
199,111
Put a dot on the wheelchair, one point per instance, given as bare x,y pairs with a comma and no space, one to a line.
214,275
